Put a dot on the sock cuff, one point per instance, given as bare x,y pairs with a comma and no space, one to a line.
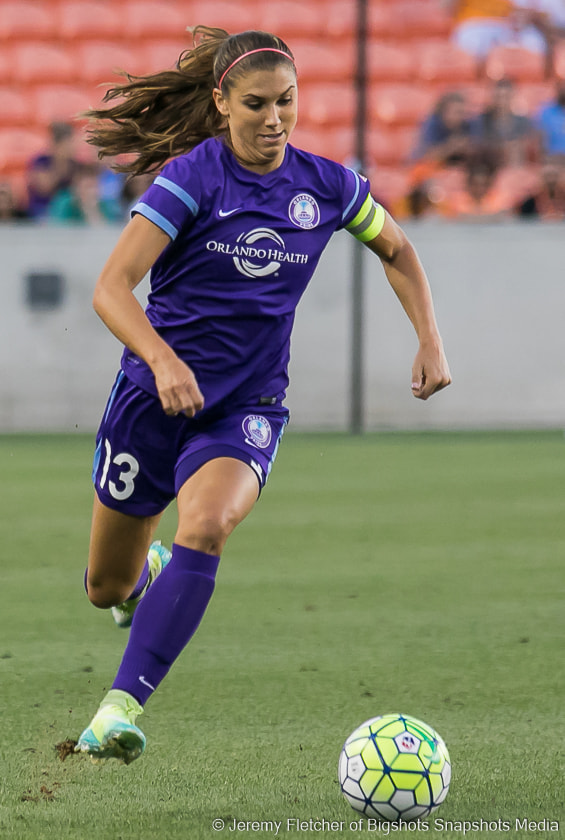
195,561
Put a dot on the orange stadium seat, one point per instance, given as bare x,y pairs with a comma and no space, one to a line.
397,104
233,17
392,147
90,19
333,103
60,102
321,62
15,107
18,183
516,182
559,60
340,19
101,61
27,20
35,62
18,146
421,19
162,55
446,182
529,98
382,22
155,19
6,66
444,62
389,62
515,63
293,18
388,183
337,144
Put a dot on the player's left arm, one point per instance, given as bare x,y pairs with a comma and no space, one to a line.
406,275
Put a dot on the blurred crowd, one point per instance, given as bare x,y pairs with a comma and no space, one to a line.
496,164
495,161
481,25
65,184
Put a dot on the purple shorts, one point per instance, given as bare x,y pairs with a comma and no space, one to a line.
143,456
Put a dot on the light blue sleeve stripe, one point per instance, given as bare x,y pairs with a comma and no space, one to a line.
155,217
179,192
354,199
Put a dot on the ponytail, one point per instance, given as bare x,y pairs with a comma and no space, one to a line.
167,114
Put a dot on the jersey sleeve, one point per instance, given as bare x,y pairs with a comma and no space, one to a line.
173,199
354,189
363,217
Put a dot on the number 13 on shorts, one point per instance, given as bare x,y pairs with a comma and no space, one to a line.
129,468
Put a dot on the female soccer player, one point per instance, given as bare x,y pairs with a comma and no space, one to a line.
232,229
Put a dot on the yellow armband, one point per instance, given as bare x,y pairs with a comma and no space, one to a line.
368,222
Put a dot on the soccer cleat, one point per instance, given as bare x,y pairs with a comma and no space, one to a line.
157,558
112,732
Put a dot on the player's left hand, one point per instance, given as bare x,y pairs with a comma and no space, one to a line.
430,371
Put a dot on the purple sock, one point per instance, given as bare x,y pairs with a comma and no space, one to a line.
141,583
165,620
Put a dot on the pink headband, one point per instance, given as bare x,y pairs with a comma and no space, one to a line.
252,52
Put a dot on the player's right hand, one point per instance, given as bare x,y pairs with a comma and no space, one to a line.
177,388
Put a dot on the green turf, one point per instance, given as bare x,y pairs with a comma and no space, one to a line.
414,573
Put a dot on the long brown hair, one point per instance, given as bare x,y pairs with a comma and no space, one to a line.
166,114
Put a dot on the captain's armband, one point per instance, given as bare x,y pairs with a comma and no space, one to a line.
368,222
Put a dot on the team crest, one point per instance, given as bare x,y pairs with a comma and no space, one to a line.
257,431
303,211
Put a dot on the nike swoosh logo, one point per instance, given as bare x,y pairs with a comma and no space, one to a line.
148,684
224,213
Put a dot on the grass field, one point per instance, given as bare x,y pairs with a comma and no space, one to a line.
414,573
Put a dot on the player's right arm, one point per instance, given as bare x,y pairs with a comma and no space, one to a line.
138,247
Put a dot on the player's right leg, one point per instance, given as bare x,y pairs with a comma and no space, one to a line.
119,544
133,475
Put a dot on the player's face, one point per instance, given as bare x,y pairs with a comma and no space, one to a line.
260,109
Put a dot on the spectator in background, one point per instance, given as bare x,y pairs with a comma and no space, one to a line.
551,122
547,203
10,211
480,200
445,137
501,133
133,188
480,25
52,170
542,19
82,201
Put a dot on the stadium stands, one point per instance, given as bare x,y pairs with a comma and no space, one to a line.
515,63
88,19
54,54
27,21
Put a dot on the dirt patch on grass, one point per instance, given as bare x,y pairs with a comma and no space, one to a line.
66,748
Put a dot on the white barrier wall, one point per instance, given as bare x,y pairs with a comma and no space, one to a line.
499,294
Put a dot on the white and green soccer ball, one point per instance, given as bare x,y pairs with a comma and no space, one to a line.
394,767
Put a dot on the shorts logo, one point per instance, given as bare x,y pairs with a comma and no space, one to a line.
257,431
303,211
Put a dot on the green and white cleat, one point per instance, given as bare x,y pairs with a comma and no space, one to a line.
112,732
157,558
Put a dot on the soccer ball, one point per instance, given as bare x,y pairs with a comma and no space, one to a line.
394,767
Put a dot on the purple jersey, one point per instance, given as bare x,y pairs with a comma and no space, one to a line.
244,247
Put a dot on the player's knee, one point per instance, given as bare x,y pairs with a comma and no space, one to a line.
106,595
207,530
